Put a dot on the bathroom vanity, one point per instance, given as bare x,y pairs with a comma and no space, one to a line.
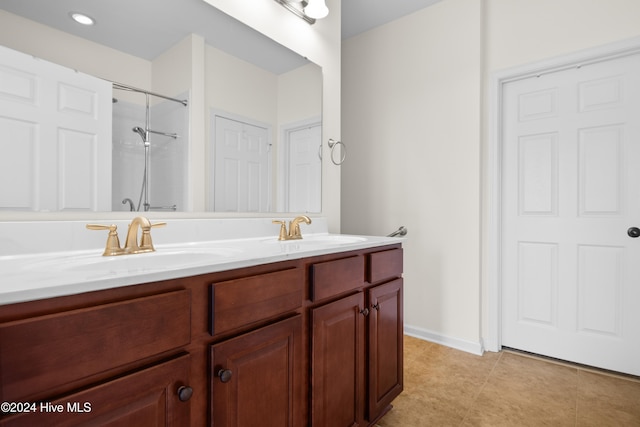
276,334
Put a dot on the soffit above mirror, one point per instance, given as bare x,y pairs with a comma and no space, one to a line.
144,29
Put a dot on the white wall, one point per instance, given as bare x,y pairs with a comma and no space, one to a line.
414,117
82,55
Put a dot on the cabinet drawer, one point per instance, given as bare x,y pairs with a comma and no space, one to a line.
336,277
240,302
384,265
144,398
45,352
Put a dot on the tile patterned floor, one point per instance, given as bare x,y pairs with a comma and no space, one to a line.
446,387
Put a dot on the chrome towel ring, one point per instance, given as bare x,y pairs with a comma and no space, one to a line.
333,144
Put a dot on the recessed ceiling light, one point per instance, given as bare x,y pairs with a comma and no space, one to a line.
81,18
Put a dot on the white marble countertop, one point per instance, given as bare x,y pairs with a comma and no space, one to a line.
32,276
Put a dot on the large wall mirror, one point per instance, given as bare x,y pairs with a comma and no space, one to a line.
206,113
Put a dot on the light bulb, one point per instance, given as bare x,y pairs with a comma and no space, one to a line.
316,9
81,18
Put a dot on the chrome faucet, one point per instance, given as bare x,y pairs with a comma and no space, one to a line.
131,245
294,228
128,200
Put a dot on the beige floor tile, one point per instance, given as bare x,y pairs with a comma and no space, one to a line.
605,400
524,391
446,387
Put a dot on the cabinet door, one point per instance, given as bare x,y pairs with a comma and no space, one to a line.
385,346
338,363
154,397
257,377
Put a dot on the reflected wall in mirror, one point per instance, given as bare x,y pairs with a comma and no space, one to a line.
191,51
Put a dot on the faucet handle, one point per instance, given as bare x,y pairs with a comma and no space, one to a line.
146,244
113,242
283,229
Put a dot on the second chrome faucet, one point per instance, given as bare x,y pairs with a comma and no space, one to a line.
132,245
294,228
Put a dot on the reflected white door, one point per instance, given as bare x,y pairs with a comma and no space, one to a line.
571,190
55,137
305,170
241,166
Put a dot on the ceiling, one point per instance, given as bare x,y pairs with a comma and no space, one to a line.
143,29
361,15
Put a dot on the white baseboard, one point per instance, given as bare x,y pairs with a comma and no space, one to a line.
458,344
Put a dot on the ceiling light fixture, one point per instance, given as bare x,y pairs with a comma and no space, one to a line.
81,18
309,10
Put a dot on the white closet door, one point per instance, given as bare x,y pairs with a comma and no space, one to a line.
305,170
571,190
241,167
55,137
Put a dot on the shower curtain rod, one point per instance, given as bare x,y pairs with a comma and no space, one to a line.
135,89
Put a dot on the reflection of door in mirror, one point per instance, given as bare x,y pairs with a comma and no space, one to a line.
242,165
55,132
302,171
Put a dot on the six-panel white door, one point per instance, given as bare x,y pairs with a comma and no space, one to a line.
304,167
55,137
241,166
571,190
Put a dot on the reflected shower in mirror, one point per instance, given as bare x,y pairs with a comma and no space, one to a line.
150,148
190,50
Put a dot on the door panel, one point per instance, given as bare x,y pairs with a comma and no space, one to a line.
256,378
337,363
305,170
570,191
241,172
60,120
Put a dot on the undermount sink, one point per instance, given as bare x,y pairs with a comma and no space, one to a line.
336,239
137,262
320,240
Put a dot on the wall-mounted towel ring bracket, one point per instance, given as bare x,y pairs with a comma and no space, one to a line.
333,144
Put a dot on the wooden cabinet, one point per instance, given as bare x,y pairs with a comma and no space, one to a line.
356,340
152,397
385,347
47,354
114,362
256,378
305,342
338,363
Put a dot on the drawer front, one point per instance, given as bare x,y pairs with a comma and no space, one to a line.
384,265
240,302
336,277
144,398
45,352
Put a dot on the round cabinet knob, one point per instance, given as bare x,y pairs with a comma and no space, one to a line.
185,393
364,312
634,232
225,375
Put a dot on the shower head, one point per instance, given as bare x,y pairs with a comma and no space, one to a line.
141,132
